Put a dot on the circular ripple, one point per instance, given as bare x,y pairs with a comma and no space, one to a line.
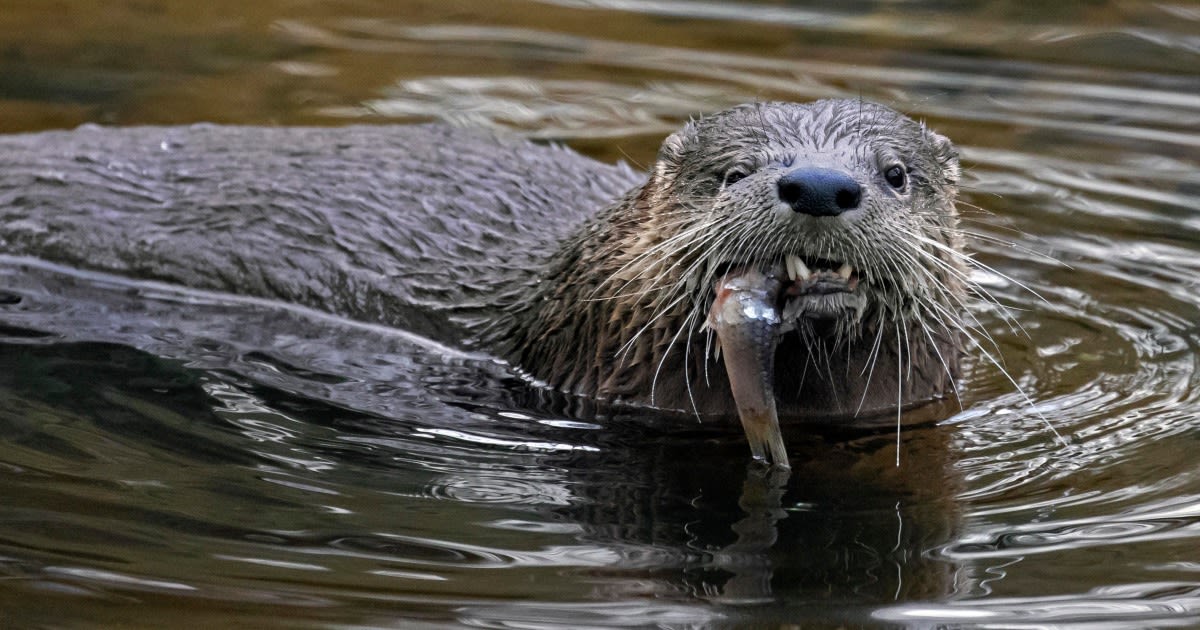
499,490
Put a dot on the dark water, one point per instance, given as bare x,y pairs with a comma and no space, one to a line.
170,458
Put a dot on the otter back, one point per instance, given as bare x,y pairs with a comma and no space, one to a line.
422,227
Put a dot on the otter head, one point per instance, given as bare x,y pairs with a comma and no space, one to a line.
843,214
853,201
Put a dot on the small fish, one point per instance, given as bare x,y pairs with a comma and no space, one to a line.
747,323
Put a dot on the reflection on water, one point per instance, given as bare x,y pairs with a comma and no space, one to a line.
170,453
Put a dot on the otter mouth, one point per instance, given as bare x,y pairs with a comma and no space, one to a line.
752,308
818,289
811,288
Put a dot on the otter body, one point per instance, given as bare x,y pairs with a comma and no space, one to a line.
425,228
589,277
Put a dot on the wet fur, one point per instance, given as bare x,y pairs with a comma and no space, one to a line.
624,320
521,249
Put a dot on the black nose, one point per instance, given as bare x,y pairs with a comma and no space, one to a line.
820,192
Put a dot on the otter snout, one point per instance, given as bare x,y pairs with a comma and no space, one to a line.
820,192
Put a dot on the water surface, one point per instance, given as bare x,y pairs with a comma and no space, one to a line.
171,457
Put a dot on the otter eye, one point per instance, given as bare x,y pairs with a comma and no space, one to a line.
896,177
733,176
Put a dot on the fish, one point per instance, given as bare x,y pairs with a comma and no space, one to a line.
748,326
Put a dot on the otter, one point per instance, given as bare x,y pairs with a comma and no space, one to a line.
828,229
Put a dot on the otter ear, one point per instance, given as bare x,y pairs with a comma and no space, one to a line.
670,155
667,164
675,146
671,151
944,153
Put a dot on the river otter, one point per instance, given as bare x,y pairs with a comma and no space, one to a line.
587,277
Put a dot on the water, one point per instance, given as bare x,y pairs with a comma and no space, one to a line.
173,457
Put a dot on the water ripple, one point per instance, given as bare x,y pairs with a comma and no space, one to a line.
1161,605
240,461
484,489
1079,107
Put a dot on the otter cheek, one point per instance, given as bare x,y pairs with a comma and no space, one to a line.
747,324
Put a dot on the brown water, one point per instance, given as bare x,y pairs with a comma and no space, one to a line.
196,459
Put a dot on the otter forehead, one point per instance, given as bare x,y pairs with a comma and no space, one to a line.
791,131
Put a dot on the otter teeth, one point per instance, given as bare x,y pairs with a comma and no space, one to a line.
796,268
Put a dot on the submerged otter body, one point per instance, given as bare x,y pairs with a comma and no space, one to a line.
589,277
425,228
